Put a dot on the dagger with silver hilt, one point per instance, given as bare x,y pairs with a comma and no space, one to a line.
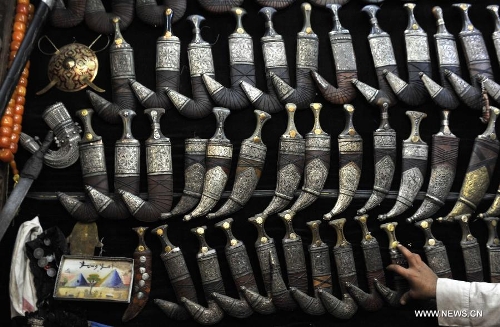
321,273
493,248
470,250
400,284
479,171
493,9
346,272
243,276
435,251
350,146
414,166
374,270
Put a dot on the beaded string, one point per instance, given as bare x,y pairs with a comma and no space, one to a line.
10,124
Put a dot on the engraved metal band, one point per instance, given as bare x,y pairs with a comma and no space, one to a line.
349,145
168,55
307,53
343,52
158,159
209,267
447,51
417,47
240,49
415,151
217,150
56,115
317,143
274,54
384,140
292,146
254,151
122,63
92,160
320,261
176,265
238,261
127,160
196,146
475,48
200,60
382,51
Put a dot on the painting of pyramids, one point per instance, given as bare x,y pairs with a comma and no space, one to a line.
94,278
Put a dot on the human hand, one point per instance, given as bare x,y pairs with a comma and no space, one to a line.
421,278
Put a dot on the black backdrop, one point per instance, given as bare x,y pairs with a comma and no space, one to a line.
120,240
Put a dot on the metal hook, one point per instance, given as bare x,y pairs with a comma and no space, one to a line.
97,38
50,41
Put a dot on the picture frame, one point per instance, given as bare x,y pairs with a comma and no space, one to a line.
85,278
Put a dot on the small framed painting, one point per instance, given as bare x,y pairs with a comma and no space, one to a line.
94,279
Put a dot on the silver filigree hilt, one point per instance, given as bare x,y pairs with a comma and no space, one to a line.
470,250
199,50
489,132
273,46
435,251
127,147
306,41
493,248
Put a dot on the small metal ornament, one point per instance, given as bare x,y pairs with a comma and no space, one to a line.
493,248
470,250
414,166
435,251
84,239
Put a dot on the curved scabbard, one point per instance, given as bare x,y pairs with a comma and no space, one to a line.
242,68
219,6
414,166
243,276
149,12
278,4
66,133
317,164
383,58
273,49
98,20
290,165
493,248
443,167
143,261
374,270
479,172
94,173
63,17
248,171
435,251
346,271
178,274
295,258
384,152
447,55
218,161
345,63
159,170
401,286
121,57
127,173
418,60
494,209
470,251
493,9
350,162
200,62
306,62
168,61
477,59
194,173
320,271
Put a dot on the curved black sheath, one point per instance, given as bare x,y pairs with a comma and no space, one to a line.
326,3
63,17
168,50
94,172
149,12
219,6
435,251
98,20
470,251
278,4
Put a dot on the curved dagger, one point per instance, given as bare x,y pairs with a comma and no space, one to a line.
211,280
478,62
493,248
178,274
320,271
200,62
121,57
194,173
290,165
481,167
218,161
143,261
350,160
392,297
149,12
317,165
278,4
241,61
470,251
127,172
168,49
270,269
346,271
273,49
447,55
159,170
63,17
418,60
435,251
306,62
443,167
494,209
414,166
374,270
243,276
384,151
345,64
248,171
219,6
98,20
94,172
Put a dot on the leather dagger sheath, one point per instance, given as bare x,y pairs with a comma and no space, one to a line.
435,251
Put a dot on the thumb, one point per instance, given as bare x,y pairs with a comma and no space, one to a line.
405,298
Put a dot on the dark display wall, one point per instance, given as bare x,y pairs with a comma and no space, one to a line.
118,237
